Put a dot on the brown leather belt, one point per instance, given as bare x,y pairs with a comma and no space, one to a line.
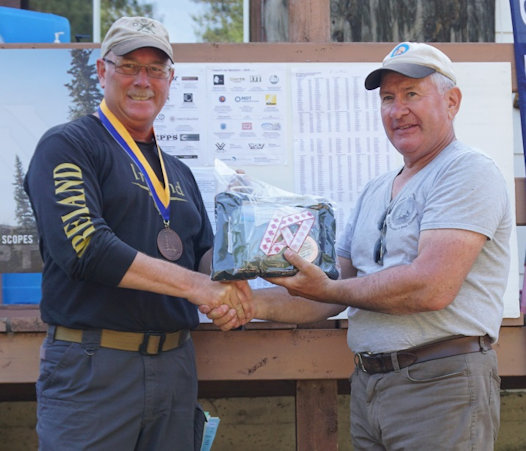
147,343
386,362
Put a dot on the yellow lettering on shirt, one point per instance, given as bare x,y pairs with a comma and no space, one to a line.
78,226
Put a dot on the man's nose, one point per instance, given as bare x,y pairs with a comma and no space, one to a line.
398,108
142,76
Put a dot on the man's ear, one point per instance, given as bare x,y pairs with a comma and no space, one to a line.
101,73
454,99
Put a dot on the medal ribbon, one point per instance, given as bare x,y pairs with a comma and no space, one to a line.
279,226
160,194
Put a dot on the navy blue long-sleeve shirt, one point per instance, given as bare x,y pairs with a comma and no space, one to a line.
94,212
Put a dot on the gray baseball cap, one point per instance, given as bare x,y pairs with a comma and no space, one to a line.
131,33
414,60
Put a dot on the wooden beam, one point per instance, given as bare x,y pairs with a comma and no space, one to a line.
511,351
19,357
297,354
281,52
316,415
272,354
306,51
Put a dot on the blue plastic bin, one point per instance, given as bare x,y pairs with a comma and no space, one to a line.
21,288
22,25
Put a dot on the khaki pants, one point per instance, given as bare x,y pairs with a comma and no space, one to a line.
446,404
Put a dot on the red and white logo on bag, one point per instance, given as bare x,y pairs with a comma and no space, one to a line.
286,231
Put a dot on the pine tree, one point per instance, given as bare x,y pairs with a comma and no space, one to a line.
84,89
23,213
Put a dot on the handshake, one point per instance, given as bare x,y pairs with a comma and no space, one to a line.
232,304
232,307
236,309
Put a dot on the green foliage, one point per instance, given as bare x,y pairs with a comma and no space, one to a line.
80,14
111,10
222,20
83,89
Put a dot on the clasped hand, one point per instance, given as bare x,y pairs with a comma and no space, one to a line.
233,298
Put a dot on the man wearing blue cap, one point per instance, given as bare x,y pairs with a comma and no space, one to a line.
424,262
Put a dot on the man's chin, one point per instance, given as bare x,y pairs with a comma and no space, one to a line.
142,109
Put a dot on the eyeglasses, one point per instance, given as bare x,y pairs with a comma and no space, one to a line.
152,70
379,247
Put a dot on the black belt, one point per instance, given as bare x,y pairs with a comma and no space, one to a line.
147,343
387,361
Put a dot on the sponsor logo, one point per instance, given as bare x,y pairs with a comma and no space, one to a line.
189,137
190,78
237,79
222,99
222,126
271,126
219,79
166,138
246,126
17,239
188,97
271,99
220,147
255,79
256,146
273,79
160,117
243,99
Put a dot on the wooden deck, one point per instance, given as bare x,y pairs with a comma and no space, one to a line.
262,360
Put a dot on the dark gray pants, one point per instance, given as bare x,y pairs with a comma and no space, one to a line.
445,404
103,399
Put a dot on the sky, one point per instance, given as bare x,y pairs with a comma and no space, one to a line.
176,17
28,109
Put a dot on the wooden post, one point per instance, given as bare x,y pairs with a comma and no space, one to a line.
256,22
316,415
309,21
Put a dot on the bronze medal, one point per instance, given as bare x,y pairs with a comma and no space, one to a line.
309,250
169,244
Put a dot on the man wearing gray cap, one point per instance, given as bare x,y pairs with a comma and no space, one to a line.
424,262
125,241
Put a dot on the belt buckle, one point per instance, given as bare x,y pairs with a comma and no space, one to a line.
143,348
358,361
